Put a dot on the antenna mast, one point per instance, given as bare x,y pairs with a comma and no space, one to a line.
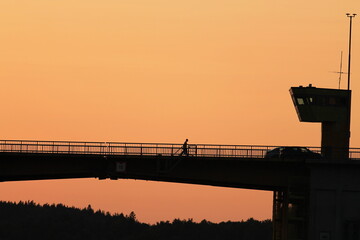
340,72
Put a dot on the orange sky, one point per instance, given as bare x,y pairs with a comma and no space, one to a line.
162,71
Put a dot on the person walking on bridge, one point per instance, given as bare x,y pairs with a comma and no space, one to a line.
185,149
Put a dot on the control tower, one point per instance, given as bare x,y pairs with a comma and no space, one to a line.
331,107
332,193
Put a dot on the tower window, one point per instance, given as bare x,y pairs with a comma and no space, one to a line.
300,101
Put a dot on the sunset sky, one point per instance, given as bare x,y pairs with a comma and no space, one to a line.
162,71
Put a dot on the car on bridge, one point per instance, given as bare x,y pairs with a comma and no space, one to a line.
292,153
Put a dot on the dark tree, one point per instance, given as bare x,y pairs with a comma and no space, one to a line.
28,220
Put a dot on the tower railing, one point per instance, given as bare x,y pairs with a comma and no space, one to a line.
143,149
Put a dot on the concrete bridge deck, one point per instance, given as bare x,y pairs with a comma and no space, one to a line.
242,166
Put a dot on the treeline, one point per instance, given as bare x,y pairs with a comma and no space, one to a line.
28,220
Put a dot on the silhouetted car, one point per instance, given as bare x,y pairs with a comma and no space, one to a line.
292,152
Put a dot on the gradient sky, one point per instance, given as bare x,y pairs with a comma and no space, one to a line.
161,71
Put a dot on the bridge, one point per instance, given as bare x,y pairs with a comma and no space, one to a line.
294,181
239,166
33,160
220,165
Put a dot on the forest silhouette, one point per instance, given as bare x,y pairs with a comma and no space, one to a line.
29,220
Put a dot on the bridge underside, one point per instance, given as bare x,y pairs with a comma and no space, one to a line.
251,173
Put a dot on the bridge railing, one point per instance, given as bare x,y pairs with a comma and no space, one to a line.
142,149
146,149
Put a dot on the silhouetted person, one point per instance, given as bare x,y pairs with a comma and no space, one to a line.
185,148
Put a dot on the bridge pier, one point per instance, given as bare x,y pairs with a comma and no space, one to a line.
290,214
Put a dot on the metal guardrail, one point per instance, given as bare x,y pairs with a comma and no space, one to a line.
143,149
